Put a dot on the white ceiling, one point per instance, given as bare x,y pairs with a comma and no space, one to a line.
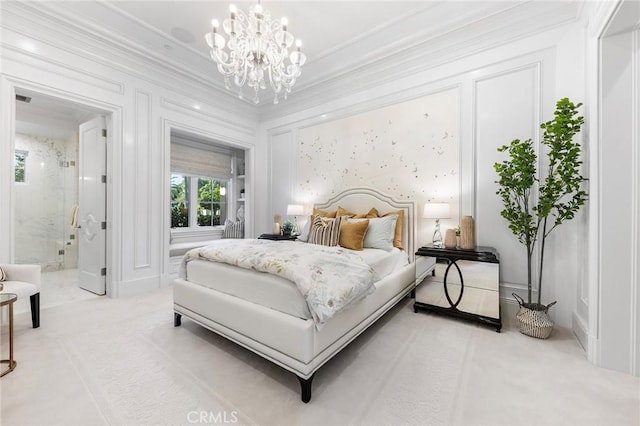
323,26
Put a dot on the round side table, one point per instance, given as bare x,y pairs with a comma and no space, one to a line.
8,299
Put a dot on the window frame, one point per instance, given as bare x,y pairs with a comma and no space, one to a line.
192,203
25,153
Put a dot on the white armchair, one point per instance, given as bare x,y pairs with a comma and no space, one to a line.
24,280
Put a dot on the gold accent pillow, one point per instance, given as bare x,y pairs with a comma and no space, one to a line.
323,213
369,215
352,234
397,238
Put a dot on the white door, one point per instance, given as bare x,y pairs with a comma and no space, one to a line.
92,196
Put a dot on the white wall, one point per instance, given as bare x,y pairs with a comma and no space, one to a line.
619,219
505,92
143,103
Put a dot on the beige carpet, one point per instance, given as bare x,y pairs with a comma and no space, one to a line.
107,361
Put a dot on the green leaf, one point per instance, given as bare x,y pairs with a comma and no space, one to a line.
559,193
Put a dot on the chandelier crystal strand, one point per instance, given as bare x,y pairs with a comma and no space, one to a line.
257,49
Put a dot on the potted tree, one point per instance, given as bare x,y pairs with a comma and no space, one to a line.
533,215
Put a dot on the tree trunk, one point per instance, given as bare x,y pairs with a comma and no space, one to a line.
544,238
529,273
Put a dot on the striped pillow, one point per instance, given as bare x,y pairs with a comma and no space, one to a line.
233,229
3,276
325,231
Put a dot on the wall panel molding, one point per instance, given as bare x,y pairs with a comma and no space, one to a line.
281,171
142,209
514,93
635,191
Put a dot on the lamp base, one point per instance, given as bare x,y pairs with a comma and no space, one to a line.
296,230
436,240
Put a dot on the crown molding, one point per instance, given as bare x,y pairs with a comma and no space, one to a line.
52,24
407,45
490,32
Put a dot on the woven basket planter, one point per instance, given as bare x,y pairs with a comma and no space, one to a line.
533,318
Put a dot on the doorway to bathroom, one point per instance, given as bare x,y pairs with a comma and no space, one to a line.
60,195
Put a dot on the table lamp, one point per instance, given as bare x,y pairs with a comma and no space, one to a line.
436,211
295,210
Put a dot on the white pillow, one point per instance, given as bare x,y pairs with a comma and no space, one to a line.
304,235
380,232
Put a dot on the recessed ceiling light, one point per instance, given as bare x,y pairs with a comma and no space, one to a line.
28,46
196,106
323,116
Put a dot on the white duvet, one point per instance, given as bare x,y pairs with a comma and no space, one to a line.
329,278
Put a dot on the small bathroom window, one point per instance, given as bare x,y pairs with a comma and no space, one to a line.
21,166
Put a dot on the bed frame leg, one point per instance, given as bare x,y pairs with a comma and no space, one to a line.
305,388
177,319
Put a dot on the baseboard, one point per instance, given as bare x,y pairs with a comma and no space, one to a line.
508,310
581,331
143,285
593,350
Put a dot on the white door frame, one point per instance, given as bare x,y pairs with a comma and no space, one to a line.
113,118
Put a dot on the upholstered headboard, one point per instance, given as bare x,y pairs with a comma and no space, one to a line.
360,200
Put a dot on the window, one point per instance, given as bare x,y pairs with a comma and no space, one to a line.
197,201
211,205
20,166
179,201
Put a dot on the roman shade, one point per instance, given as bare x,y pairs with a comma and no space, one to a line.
189,160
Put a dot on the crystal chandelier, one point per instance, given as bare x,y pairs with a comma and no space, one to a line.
257,50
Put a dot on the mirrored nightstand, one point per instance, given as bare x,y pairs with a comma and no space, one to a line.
466,284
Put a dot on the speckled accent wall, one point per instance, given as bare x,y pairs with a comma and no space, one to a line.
409,150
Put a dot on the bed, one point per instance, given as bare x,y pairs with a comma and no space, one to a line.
277,328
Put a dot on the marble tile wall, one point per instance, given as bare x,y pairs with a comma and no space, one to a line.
44,203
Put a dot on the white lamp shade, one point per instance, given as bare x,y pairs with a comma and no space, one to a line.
295,210
436,211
